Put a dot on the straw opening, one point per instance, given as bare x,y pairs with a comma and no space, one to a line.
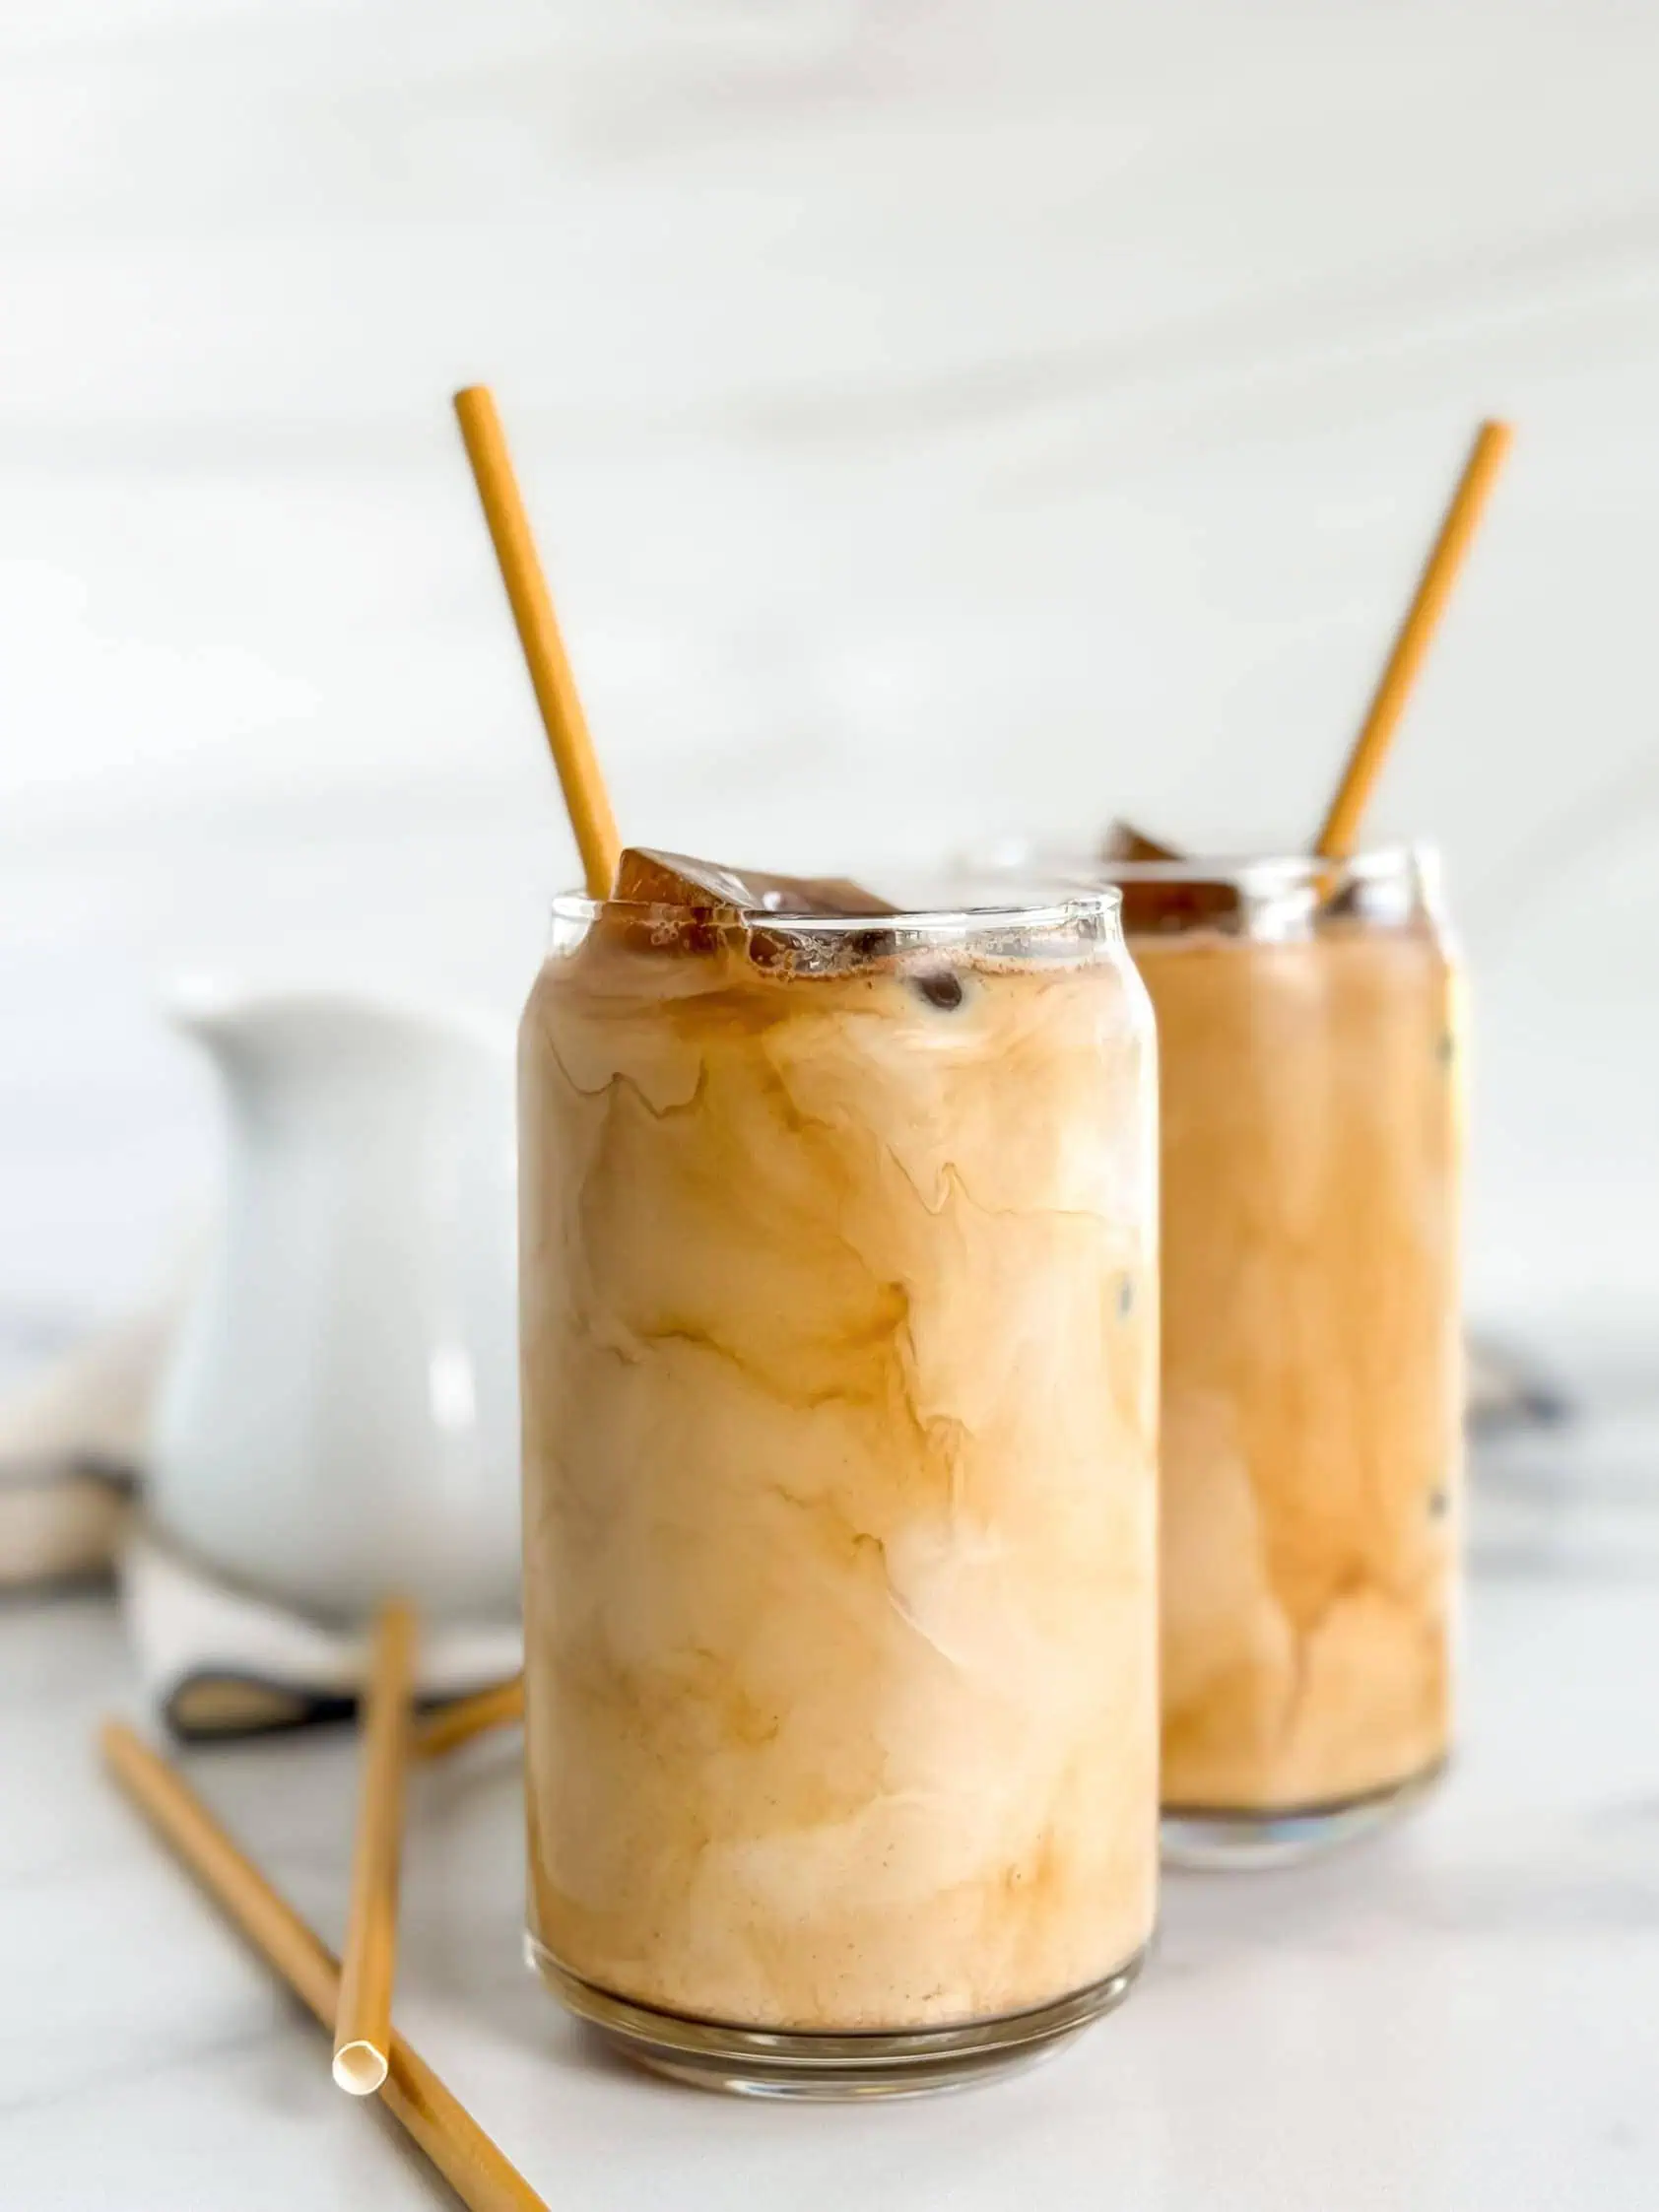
359,2069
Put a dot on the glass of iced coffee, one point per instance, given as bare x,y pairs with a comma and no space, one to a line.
1309,1059
840,1309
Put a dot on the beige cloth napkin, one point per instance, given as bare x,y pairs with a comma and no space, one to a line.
71,1446
221,1662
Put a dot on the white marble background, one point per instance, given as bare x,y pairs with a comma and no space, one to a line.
938,420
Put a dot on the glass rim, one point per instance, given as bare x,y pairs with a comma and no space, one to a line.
1103,900
1245,871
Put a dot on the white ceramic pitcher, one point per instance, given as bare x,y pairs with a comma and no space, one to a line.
341,1413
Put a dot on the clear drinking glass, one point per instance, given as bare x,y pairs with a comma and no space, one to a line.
838,1273
1311,1074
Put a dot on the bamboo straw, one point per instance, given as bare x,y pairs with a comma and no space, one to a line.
457,1722
362,2026
1340,828
585,798
443,2127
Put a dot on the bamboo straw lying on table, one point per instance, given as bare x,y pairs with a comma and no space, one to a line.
363,2027
462,1719
443,2128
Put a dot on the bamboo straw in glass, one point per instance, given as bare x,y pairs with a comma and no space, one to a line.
1340,829
586,796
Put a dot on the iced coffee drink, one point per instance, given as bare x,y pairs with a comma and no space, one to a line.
1309,1079
839,1323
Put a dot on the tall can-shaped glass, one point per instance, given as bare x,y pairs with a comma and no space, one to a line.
1310,1057
839,1323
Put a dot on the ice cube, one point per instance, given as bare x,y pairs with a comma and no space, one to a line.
1168,906
672,879
941,987
698,898
1123,841
669,879
1152,904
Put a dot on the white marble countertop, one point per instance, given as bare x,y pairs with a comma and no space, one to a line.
1459,2015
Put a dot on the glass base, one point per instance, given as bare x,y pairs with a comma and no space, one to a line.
1206,1839
763,2062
